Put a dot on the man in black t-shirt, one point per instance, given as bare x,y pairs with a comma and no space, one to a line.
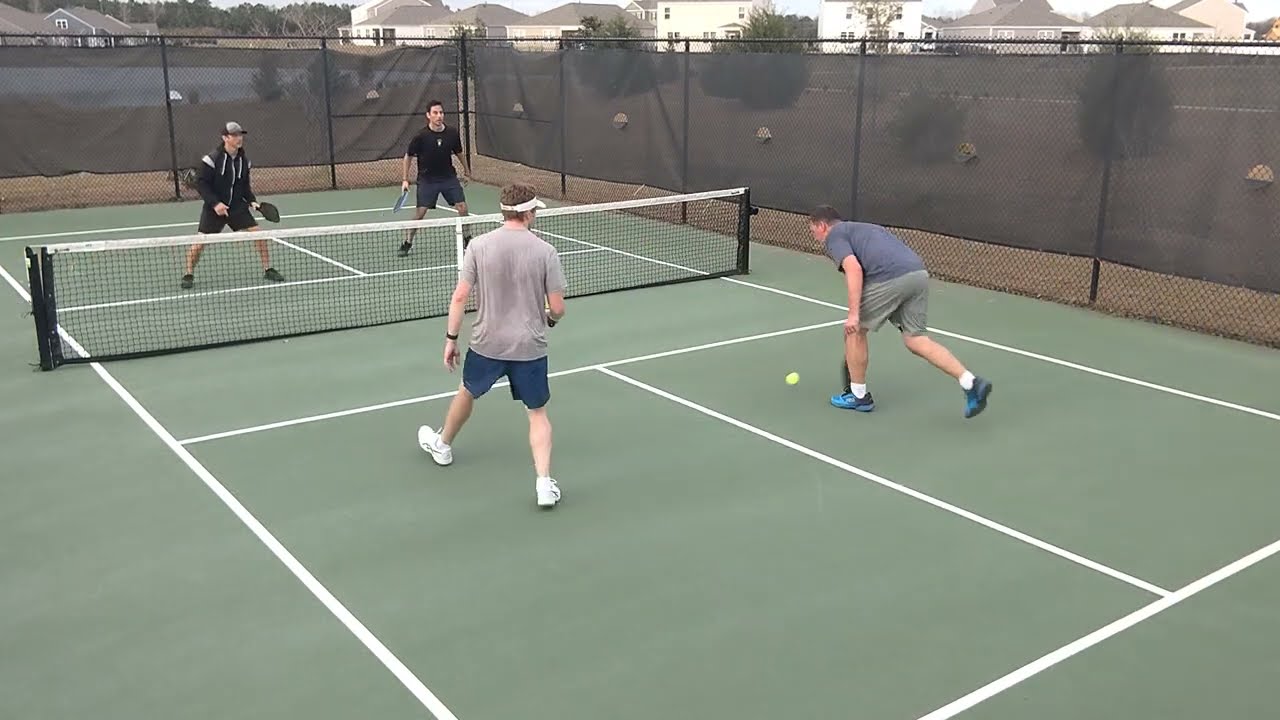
435,146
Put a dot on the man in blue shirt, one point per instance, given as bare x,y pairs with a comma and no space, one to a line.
886,280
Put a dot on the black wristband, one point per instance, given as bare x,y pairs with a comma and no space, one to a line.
450,337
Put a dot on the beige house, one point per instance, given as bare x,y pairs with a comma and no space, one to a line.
566,21
1146,21
1227,18
382,22
489,19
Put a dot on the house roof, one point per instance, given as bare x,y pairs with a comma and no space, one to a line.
410,15
573,13
1142,15
1027,13
17,21
489,14
94,18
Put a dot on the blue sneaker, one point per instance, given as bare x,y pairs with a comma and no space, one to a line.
847,401
976,397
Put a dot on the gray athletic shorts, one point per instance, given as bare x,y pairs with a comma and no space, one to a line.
904,301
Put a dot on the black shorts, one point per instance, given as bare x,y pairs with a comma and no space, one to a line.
430,188
238,218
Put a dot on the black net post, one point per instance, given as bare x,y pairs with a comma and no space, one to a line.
464,69
1107,161
564,114
328,111
857,130
168,108
40,280
684,141
745,211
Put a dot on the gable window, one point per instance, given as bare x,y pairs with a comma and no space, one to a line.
60,23
666,13
848,13
742,13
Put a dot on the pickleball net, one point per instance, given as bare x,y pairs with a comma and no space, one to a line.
116,299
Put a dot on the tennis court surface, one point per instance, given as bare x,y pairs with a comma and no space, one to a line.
251,531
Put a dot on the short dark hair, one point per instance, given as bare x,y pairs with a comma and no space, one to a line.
434,103
824,215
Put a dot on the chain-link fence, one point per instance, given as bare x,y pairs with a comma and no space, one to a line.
1133,177
90,125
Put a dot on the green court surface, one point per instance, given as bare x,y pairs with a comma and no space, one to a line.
253,532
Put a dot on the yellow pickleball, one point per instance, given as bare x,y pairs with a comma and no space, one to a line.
793,378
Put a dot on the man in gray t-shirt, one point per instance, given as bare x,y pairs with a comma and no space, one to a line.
519,286
886,280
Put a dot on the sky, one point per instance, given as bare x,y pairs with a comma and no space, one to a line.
1258,9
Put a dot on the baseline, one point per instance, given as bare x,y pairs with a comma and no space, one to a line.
916,494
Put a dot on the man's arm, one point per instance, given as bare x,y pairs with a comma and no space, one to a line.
555,285
204,182
853,280
457,152
408,155
248,185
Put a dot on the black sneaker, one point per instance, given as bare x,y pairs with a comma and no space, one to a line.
405,247
272,275
187,281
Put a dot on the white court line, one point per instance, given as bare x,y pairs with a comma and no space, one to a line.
271,286
991,524
451,393
135,228
957,336
1045,662
318,256
350,621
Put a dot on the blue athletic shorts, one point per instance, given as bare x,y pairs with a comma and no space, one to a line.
528,378
431,188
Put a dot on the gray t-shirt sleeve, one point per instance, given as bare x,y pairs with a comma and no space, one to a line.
555,273
469,272
839,245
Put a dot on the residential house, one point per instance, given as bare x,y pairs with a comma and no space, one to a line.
704,19
566,21
852,20
489,20
15,22
1030,20
380,22
643,9
1227,18
90,28
1143,20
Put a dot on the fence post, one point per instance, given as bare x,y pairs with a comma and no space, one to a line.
563,115
464,69
857,130
328,111
1095,271
168,108
684,149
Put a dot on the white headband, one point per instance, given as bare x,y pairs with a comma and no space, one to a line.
525,206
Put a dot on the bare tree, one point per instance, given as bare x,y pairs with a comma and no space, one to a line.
878,16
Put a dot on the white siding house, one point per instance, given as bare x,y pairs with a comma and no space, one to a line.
852,20
703,19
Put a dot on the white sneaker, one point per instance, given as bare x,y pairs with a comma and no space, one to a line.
548,492
430,441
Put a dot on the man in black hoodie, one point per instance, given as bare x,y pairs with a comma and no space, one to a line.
223,183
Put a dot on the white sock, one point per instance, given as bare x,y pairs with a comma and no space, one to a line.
966,380
859,391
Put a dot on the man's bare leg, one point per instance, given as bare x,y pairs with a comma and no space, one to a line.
540,441
976,389
457,416
407,245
